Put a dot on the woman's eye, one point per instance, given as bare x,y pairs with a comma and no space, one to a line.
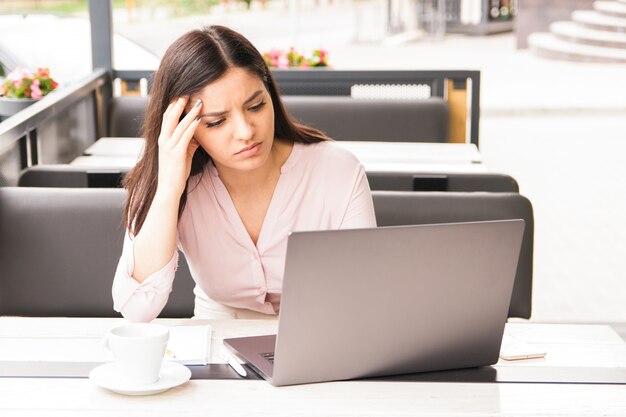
258,106
215,124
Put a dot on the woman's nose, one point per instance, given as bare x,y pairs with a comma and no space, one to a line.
243,128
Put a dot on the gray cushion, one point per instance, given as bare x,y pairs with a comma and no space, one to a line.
346,118
402,208
126,115
70,176
402,181
341,117
59,247
64,175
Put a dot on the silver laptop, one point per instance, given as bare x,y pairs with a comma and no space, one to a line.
390,300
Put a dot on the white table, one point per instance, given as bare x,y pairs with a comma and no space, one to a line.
407,152
118,162
368,151
411,157
77,339
116,146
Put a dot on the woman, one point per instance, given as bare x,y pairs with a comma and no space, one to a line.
225,176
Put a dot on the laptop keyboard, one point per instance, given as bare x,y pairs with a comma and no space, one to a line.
269,356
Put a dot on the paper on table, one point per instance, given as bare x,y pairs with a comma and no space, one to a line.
189,345
514,349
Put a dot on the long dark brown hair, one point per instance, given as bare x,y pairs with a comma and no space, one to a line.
193,61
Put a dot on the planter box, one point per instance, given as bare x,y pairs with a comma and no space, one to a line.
10,106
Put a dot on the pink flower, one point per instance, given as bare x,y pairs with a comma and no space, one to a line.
44,72
15,76
15,80
35,91
18,75
283,62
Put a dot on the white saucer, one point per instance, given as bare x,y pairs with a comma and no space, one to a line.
172,374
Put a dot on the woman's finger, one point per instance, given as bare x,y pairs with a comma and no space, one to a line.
187,136
186,122
172,116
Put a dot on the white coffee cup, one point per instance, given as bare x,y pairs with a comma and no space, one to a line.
138,349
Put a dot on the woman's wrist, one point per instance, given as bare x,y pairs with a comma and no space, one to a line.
167,196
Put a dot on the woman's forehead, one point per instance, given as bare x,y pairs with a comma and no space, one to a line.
236,84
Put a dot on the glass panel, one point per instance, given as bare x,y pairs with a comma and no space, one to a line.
52,34
64,137
10,165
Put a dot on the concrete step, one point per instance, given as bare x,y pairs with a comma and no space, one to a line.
599,21
573,32
548,45
610,8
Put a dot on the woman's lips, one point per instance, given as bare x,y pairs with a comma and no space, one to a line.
250,150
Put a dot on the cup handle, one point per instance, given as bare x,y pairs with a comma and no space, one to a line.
105,342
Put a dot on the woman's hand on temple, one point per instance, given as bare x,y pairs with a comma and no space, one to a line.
177,145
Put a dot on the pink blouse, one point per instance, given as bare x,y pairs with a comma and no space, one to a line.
321,186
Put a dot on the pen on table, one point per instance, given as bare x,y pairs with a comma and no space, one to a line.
233,363
170,354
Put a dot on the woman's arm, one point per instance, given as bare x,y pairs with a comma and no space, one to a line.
155,244
360,211
144,276
141,302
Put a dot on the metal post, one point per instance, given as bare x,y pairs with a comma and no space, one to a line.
101,21
475,117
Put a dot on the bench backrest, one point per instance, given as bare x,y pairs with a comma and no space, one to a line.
402,208
59,247
64,175
346,118
341,117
